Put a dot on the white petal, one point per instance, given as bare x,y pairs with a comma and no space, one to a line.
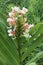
31,25
9,31
25,9
10,34
16,9
27,30
22,12
10,14
10,20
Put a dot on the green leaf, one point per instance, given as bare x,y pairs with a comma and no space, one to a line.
32,47
33,63
36,58
8,47
36,31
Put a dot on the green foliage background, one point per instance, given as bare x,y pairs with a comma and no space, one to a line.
34,45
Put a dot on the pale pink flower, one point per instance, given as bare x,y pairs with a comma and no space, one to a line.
11,33
11,21
15,9
26,26
24,10
11,14
30,26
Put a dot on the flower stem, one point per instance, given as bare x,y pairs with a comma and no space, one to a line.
18,36
19,48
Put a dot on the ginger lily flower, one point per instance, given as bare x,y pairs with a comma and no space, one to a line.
18,22
24,10
15,9
11,33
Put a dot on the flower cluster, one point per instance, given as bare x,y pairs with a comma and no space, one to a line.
13,21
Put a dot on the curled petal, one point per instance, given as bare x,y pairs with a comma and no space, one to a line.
15,9
13,32
10,34
25,9
9,31
11,21
30,26
26,26
11,14
22,12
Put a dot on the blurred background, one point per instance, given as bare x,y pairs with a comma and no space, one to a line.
34,16
35,8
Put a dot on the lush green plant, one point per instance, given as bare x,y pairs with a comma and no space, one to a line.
31,48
